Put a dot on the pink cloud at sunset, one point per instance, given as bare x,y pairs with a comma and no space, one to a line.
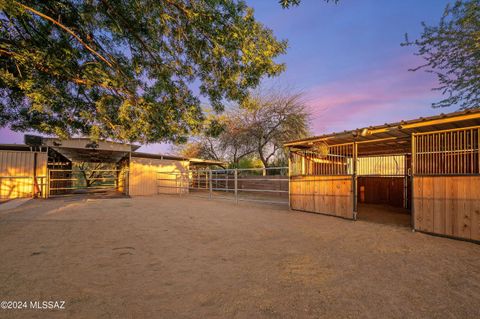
387,93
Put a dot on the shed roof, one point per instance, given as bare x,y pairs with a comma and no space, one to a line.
159,156
393,136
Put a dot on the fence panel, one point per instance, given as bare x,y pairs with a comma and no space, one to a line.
269,185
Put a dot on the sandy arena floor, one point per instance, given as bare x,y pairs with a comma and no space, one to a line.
170,257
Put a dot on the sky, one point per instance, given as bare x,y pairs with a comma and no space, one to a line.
347,60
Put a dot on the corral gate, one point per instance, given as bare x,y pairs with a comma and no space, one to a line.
266,185
63,182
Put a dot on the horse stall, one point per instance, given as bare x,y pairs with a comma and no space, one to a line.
422,173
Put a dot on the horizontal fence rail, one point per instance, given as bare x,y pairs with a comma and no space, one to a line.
63,182
269,185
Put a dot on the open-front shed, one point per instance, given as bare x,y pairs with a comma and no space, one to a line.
50,167
428,168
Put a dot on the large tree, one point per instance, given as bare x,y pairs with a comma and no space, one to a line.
274,118
256,128
451,50
127,69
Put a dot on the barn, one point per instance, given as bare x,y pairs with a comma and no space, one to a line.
423,173
52,167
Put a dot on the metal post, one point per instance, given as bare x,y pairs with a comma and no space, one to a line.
354,180
413,164
289,179
236,185
47,184
126,186
210,183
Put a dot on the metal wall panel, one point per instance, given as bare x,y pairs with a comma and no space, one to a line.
145,172
17,174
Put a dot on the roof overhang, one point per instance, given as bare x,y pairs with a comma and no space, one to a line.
393,137
206,162
86,150
159,156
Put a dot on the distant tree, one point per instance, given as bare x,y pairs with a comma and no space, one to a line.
127,70
95,174
274,119
227,141
255,129
452,52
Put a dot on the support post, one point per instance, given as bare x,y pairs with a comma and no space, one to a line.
236,185
413,163
210,183
47,186
354,180
127,182
289,178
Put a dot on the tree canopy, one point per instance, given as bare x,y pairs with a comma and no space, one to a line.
291,3
129,70
255,129
451,50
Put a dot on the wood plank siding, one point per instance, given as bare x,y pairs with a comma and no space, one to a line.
330,195
17,172
447,205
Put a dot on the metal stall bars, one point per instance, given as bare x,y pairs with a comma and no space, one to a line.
383,174
322,179
446,183
448,152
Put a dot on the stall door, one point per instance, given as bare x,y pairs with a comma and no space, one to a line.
322,181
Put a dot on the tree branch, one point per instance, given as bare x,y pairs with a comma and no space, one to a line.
68,30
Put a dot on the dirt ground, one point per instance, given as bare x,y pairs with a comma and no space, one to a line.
171,257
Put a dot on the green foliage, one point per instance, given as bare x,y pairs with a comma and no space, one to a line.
248,162
451,51
255,129
292,3
127,69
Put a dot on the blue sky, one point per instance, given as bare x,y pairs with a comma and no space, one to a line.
348,61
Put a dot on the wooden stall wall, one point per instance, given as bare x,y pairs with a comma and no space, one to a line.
149,176
381,190
17,172
330,195
447,205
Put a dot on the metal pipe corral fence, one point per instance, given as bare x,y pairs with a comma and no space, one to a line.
266,185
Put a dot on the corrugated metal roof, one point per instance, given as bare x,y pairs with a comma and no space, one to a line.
397,131
159,156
